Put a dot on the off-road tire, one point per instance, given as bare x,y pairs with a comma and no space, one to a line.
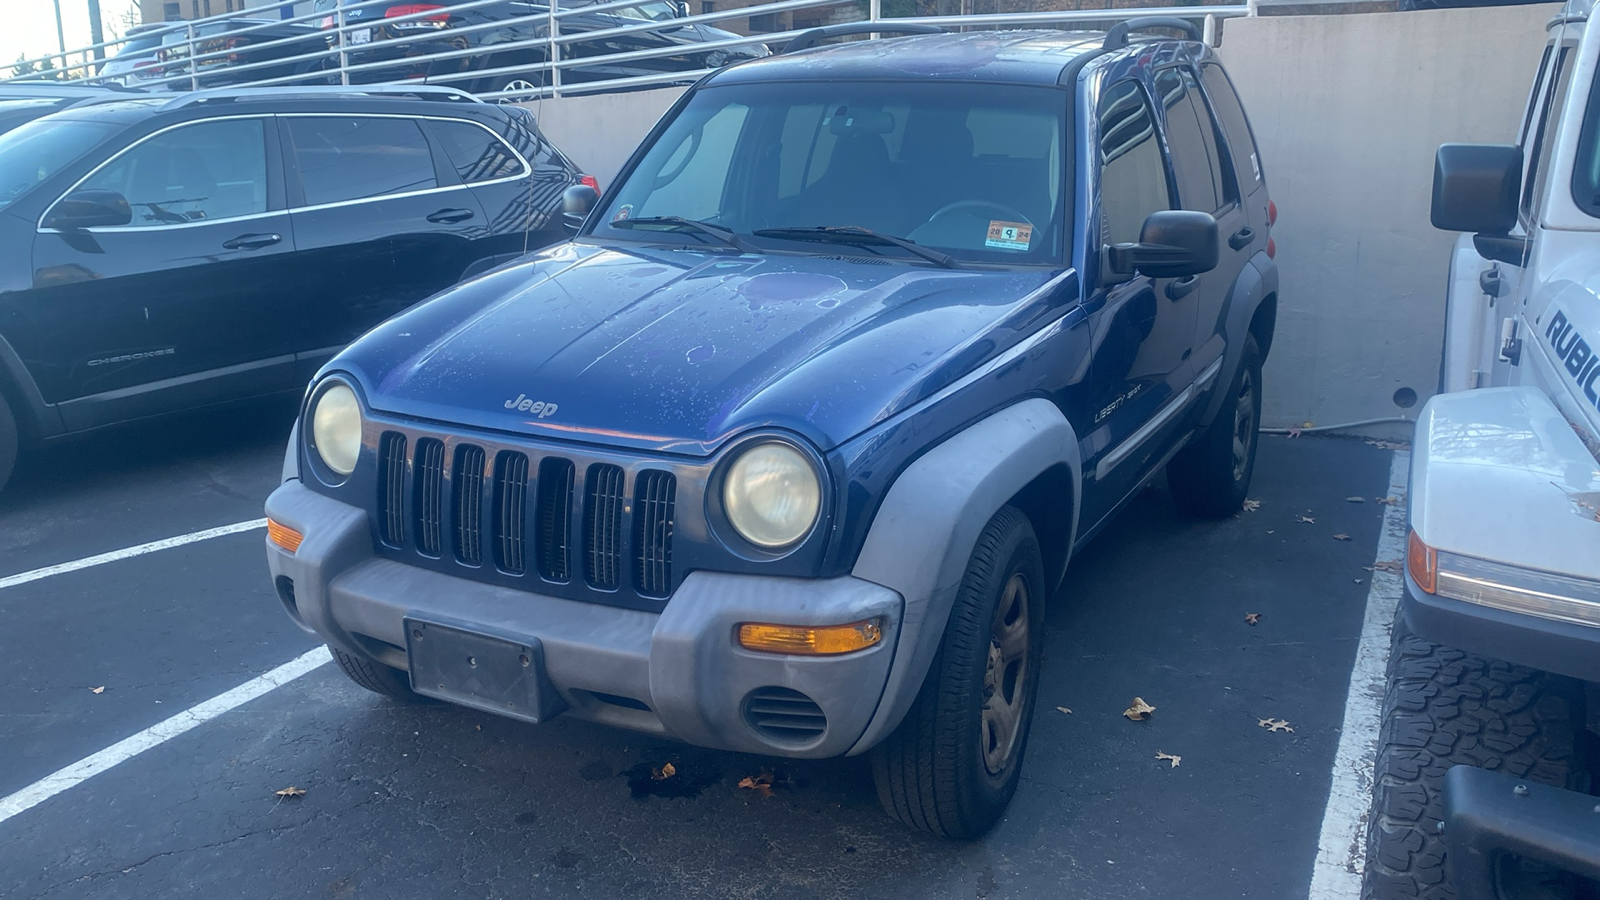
1444,708
1207,478
9,443
930,773
377,677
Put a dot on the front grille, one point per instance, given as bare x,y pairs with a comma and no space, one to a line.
654,500
784,715
510,511
603,513
555,519
468,489
392,481
429,467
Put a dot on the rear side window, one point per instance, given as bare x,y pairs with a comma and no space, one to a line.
1188,142
200,172
359,157
1133,177
475,152
1235,127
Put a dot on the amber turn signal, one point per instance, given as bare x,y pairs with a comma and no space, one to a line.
284,536
805,640
1423,563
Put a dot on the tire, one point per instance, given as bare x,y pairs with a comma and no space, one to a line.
530,83
9,443
377,677
1445,708
952,765
1210,478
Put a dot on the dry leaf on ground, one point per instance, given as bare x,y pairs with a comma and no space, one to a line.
291,791
1252,618
1252,505
1306,520
1138,709
1065,710
1388,501
1172,757
1355,499
1292,432
1388,445
665,772
1341,537
761,784
1385,565
1275,725
99,690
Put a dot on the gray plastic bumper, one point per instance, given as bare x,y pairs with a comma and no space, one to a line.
679,673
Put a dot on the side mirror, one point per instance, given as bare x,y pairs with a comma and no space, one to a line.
1475,187
89,209
682,6
1173,243
576,203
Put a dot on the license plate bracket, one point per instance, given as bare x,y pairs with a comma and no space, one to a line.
471,666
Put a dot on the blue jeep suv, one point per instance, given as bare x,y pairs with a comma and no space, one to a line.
787,448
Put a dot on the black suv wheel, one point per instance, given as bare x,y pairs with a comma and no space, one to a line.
8,443
1211,476
952,765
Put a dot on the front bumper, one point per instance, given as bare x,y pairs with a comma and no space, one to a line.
1490,813
678,673
1525,640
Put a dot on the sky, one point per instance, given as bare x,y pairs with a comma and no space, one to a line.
30,25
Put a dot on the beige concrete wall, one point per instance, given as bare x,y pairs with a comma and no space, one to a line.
1348,111
600,132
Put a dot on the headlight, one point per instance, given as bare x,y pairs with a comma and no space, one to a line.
771,495
336,428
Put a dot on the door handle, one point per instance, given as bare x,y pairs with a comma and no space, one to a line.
252,241
1242,238
1178,288
450,216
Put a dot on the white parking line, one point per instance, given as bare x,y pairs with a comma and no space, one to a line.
129,552
1341,850
158,734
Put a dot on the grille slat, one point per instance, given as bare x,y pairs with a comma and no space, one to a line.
555,519
603,532
467,485
429,504
654,506
392,481
510,516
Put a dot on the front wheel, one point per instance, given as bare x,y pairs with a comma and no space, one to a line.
952,765
377,677
1211,476
522,88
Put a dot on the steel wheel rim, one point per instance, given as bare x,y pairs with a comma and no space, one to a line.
525,90
1005,676
1244,426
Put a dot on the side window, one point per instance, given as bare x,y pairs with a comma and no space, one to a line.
356,157
1235,128
1536,155
200,172
475,153
1222,173
1186,140
1133,177
1533,96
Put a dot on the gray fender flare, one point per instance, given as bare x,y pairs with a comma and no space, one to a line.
1258,281
929,522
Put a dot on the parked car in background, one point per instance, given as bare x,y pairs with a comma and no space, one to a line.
419,29
167,255
243,43
138,59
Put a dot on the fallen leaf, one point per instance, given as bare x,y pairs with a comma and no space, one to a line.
1307,520
1252,618
665,772
1356,580
1174,758
1065,710
1387,565
1388,501
1292,432
291,791
1275,725
1341,537
761,784
1138,710
1308,424
1355,499
99,690
1252,505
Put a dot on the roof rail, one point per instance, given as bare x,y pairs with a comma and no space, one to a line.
286,92
805,40
26,89
1117,35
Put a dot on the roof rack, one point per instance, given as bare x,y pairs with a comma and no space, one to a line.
805,40
1117,35
397,91
28,90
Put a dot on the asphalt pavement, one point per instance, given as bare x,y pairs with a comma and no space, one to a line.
434,801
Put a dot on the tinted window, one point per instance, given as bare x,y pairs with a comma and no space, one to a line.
353,158
1537,154
1211,132
476,154
1133,178
210,170
33,152
1235,127
1186,140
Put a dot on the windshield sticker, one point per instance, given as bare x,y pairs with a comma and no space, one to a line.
1009,235
623,213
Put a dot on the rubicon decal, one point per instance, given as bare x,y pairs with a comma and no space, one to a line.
539,408
1576,353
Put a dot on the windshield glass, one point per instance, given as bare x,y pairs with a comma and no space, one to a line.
32,153
973,171
650,12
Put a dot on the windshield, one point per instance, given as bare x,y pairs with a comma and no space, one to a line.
34,152
973,171
650,12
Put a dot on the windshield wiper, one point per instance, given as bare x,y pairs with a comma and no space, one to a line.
722,234
855,234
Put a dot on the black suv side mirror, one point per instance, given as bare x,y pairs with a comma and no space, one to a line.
576,202
1475,189
1172,244
89,209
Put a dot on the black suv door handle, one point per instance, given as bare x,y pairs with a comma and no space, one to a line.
1242,237
450,216
252,241
1179,288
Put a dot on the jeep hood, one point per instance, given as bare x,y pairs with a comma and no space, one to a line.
678,350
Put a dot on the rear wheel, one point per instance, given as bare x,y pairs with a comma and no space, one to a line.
523,88
1211,476
377,677
8,443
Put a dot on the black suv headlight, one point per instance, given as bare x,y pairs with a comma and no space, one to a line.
771,494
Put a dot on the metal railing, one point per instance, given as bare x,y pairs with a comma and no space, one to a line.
332,47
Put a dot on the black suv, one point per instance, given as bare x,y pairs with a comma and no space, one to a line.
166,254
787,450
